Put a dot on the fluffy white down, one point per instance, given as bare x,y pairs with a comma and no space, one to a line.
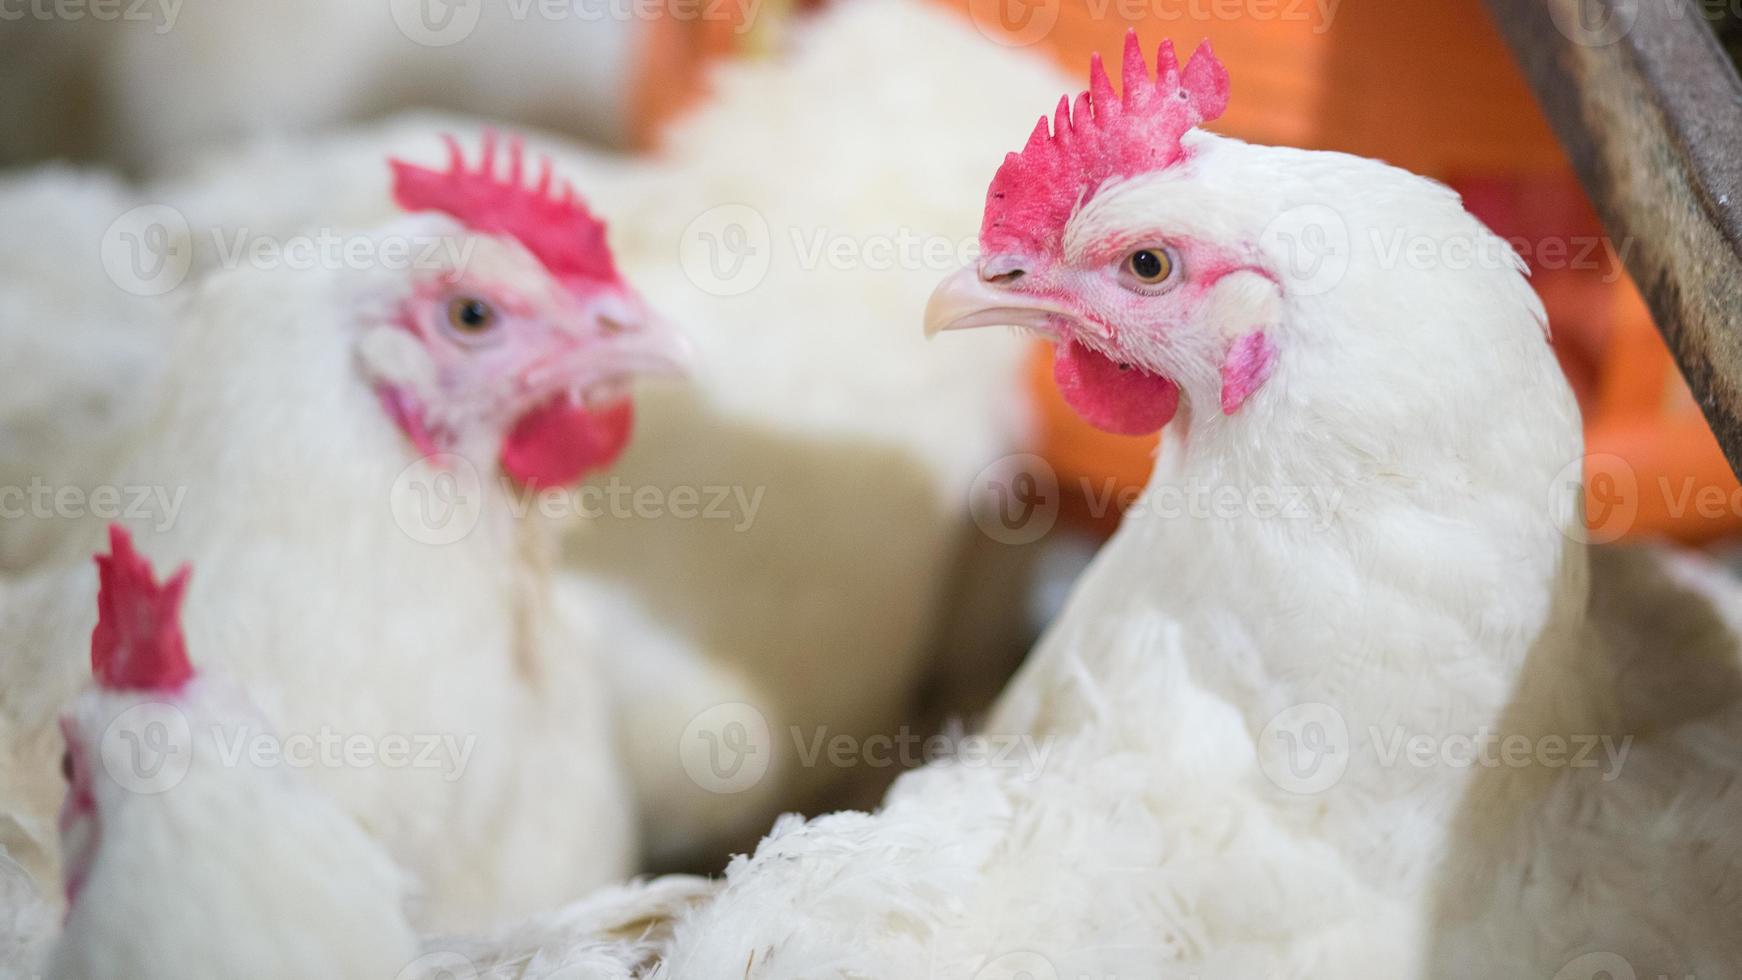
209,868
27,922
1132,843
84,352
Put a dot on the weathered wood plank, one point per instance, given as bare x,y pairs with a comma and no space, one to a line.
1649,108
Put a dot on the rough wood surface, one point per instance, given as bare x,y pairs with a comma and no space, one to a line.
1649,108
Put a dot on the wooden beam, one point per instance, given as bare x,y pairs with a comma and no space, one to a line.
1649,108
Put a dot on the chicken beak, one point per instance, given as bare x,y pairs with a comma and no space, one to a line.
615,337
647,344
966,300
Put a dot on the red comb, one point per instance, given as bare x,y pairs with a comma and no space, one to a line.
553,225
137,645
1102,136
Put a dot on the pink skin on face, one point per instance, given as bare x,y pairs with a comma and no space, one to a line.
78,814
1245,369
519,374
507,358
1110,324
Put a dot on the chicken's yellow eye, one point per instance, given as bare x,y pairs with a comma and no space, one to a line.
468,314
1150,265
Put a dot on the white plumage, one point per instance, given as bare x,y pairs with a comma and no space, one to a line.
141,90
325,592
223,869
1226,690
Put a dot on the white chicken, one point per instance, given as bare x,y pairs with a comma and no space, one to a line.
829,455
1363,731
183,861
351,439
193,854
142,86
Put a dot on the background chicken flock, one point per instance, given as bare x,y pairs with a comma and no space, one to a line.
620,710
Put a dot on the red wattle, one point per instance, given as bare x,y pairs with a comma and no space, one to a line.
559,442
1124,401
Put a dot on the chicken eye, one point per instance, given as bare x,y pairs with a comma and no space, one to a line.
66,765
470,316
1150,265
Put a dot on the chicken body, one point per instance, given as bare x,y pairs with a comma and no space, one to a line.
1275,729
220,868
369,595
192,854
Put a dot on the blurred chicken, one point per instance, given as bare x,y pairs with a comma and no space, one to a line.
94,348
353,445
810,205
191,859
814,481
139,89
183,863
